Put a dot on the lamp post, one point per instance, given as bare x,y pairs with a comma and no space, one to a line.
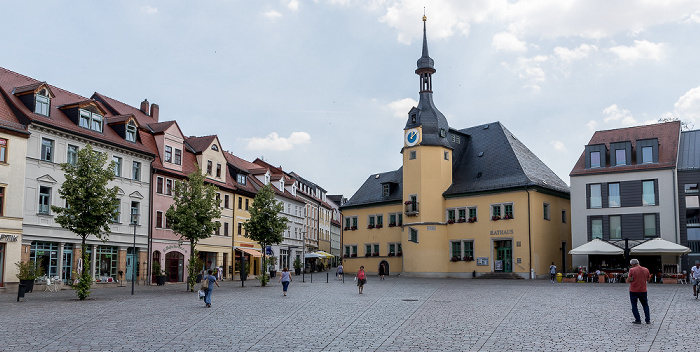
134,222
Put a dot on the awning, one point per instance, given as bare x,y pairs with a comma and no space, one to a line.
312,256
253,252
325,254
597,247
659,246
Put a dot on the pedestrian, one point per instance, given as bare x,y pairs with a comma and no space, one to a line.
211,280
695,278
339,272
361,278
552,272
285,278
382,271
637,278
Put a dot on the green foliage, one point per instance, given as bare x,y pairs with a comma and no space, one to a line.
28,270
157,271
264,279
297,264
90,205
82,287
193,268
686,125
192,214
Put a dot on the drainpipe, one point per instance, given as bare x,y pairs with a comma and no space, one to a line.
529,230
150,227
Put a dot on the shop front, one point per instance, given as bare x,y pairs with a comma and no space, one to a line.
173,259
249,257
10,253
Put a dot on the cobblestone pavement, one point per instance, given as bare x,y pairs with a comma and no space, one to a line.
397,314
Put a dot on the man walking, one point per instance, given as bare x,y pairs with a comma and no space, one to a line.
695,278
552,272
637,278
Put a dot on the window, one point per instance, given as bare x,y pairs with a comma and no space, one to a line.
376,249
647,155
620,157
218,170
648,196
595,159
507,211
72,156
563,216
159,185
178,156
115,219
545,211
135,212
131,132
450,215
380,220
412,154
2,201
246,204
225,229
472,214
595,200
457,249
370,221
218,199
214,147
42,103
136,171
650,225
469,249
159,219
385,189
368,250
354,221
240,203
218,228
84,120
240,178
496,210
210,165
44,199
462,214
597,228
691,188
447,155
392,249
168,187
46,149
117,166
226,201
240,229
3,150
167,223
615,227
613,195
90,120
168,154
413,235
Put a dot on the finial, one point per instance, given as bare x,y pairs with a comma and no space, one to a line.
424,18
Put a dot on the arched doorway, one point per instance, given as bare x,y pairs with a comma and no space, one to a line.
174,266
386,268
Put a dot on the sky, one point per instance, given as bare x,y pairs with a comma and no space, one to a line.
323,88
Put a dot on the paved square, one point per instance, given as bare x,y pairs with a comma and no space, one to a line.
397,314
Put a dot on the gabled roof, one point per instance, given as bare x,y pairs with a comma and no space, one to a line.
161,127
114,120
31,88
238,163
667,133
119,108
9,121
200,144
492,158
371,191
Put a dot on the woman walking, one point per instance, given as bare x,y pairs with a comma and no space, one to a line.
361,278
339,272
285,278
211,281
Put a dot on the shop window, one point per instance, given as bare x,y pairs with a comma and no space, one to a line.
45,255
106,258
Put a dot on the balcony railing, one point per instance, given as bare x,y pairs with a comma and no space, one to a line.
412,209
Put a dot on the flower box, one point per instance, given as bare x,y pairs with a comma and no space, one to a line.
408,202
670,281
495,218
569,280
370,226
507,217
345,256
378,226
354,255
400,224
601,278
353,228
454,259
468,259
462,220
472,219
392,224
346,229
399,254
375,254
368,254
451,221
391,254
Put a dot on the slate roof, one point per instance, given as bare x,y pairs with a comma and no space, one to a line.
506,163
160,127
689,151
371,191
200,144
667,133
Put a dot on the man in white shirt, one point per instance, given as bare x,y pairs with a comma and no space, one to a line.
695,277
552,272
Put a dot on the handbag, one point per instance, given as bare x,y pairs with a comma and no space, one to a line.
201,294
205,284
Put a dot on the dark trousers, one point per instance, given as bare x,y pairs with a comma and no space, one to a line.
642,297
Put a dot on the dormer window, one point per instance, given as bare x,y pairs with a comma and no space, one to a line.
386,189
595,159
267,179
240,178
90,120
131,132
42,103
596,156
647,151
214,148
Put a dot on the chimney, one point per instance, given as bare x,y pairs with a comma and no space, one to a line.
154,111
144,106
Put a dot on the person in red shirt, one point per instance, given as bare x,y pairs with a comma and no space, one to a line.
361,278
637,278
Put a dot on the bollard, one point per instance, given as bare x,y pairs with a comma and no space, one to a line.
312,277
326,277
20,291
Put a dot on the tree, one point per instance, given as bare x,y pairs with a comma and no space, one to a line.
191,217
685,124
90,205
265,225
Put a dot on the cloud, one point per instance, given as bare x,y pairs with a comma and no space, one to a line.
530,69
592,125
272,14
687,108
276,143
642,49
149,10
558,145
293,5
401,107
613,114
508,42
568,55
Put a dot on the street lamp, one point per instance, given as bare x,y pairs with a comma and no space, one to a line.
134,222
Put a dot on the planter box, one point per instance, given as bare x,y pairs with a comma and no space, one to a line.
601,279
568,279
670,281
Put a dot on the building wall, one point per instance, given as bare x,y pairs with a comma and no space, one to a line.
686,177
363,235
12,180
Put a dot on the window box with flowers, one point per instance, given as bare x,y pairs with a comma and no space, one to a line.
507,216
378,226
354,255
451,221
345,256
353,228
399,224
455,259
368,254
468,259
408,202
375,254
346,229
392,224
472,220
399,254
391,254
370,226
461,220
495,218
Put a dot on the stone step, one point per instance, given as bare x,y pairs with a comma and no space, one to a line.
502,276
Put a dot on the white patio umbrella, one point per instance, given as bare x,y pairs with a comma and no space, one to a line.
659,246
312,255
597,247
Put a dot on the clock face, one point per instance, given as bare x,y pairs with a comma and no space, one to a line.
412,137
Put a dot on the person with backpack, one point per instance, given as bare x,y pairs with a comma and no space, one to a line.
208,287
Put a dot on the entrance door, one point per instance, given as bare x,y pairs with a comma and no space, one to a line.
67,264
129,264
174,266
2,262
504,254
